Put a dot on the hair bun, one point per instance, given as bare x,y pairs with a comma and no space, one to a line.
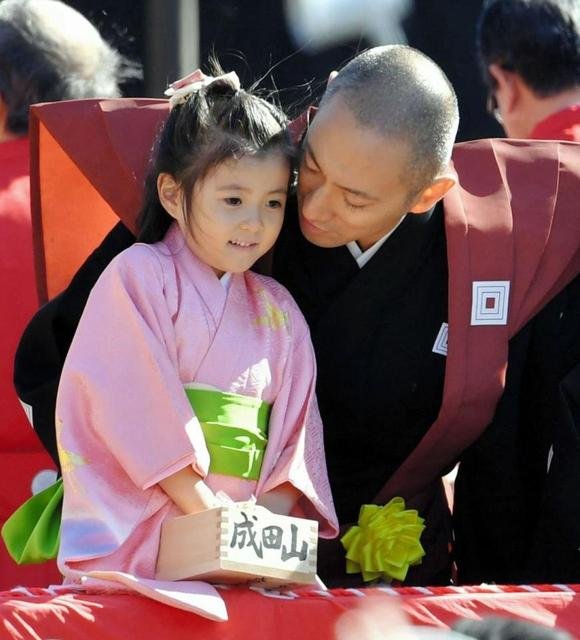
224,86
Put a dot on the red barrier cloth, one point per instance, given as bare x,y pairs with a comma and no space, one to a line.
21,454
39,613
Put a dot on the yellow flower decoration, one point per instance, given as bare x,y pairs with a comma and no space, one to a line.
274,318
385,543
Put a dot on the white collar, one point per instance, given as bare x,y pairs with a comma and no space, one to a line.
362,257
225,280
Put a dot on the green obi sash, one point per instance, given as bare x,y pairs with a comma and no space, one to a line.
235,428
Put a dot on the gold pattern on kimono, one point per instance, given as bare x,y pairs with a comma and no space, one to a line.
274,318
69,460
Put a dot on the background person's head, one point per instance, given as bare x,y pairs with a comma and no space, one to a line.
529,52
379,147
50,52
221,169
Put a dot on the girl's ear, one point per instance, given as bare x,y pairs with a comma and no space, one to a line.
170,195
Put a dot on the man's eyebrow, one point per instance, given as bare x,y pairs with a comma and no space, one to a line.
354,192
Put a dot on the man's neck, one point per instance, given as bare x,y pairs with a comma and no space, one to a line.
541,108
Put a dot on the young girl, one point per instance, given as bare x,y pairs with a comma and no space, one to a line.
189,374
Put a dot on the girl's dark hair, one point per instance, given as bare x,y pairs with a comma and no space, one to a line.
216,123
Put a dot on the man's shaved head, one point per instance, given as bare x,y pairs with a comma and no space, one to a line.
403,95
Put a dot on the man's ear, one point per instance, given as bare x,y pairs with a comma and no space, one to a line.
170,195
507,90
430,196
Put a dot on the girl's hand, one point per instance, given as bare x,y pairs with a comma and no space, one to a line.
189,492
280,500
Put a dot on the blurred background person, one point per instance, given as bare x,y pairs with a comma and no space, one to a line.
48,52
520,520
529,52
384,618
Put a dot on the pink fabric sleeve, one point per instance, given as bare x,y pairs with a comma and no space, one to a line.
296,446
122,370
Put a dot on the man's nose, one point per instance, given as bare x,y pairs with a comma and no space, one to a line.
316,205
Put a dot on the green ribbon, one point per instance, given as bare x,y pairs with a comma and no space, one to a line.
386,541
32,533
235,428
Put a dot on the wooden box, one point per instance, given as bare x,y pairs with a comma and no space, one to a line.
236,544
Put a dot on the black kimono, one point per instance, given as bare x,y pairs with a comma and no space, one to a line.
379,381
517,512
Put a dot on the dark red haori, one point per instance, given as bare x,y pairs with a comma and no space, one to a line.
513,218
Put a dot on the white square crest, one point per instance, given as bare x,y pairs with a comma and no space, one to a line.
489,303
440,345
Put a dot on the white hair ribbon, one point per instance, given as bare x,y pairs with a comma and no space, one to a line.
179,91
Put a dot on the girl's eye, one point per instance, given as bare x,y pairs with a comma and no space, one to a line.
274,204
233,202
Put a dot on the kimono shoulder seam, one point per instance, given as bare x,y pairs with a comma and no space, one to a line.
134,257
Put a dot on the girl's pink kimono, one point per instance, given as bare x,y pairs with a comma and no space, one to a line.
156,320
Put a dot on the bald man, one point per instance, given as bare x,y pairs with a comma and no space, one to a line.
387,257
366,235
48,52
387,252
